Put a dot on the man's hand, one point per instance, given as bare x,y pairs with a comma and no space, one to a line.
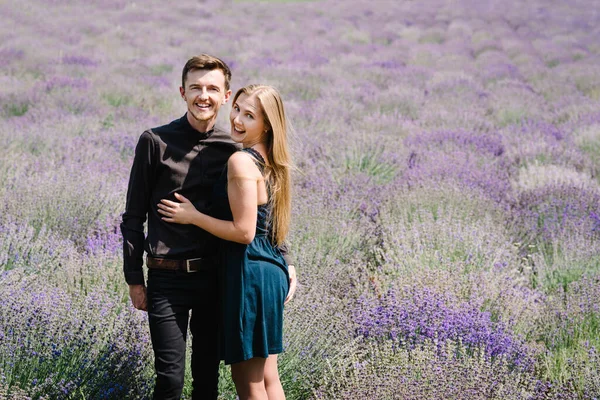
293,282
137,294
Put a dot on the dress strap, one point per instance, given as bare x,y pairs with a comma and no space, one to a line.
260,163
259,160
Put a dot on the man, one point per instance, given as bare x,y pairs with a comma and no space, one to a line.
185,156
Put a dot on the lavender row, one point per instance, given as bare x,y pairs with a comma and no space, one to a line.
446,203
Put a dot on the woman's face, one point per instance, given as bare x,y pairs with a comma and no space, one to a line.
247,122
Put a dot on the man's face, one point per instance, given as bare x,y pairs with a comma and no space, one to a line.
204,93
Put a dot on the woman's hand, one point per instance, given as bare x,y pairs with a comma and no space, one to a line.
180,213
293,283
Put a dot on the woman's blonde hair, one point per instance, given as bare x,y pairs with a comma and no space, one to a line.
278,170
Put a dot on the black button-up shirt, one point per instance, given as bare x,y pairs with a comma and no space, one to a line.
168,159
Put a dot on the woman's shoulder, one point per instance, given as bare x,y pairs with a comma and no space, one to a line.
242,163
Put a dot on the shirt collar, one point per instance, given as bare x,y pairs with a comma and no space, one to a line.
189,128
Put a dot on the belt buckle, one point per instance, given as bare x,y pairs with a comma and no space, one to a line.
187,264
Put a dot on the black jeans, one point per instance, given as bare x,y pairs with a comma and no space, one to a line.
171,296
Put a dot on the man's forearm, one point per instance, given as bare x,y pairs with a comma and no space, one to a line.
285,252
133,252
136,209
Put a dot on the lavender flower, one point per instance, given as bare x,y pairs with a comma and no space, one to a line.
424,315
450,147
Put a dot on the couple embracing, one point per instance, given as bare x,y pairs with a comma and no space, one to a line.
218,207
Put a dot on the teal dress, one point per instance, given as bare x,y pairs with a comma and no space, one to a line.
254,283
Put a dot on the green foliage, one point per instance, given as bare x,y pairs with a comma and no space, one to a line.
510,116
370,161
571,336
432,37
118,99
570,352
108,122
484,49
403,107
161,69
558,264
55,346
438,229
592,149
362,225
226,386
588,85
429,371
16,109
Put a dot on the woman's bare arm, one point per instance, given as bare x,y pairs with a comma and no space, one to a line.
243,177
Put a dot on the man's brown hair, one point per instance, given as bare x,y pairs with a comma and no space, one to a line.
208,62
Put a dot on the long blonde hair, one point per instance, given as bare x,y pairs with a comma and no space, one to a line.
278,170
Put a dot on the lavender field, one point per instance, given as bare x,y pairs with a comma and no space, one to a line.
446,204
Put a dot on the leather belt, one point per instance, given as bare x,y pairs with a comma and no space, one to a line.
190,265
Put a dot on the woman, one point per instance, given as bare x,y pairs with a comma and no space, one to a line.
253,221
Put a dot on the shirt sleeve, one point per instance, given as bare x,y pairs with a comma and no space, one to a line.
285,252
139,191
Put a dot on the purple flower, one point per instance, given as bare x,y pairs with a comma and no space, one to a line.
79,60
422,315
